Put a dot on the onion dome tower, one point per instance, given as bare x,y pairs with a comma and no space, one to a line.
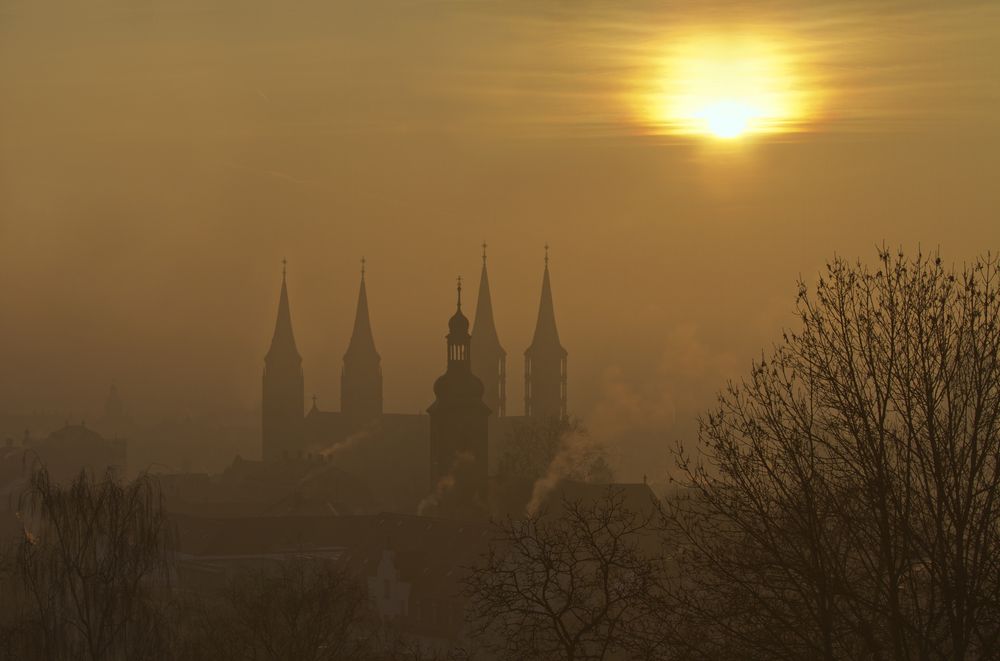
459,430
545,361
489,360
361,376
284,391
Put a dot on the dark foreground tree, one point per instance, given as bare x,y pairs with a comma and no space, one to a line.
88,571
302,609
566,586
843,502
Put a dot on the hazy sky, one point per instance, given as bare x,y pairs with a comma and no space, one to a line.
158,159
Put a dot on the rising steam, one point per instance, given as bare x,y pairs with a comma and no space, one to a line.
444,485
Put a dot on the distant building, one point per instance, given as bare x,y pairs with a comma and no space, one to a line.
459,446
114,409
65,453
413,566
293,487
361,436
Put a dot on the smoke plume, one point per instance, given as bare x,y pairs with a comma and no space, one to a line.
444,485
575,448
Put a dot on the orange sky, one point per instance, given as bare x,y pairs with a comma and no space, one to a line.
158,159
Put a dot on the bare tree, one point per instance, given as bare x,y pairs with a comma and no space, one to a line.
88,568
569,586
302,609
843,500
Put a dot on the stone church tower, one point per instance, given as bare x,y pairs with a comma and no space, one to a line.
361,377
458,430
545,361
489,360
284,391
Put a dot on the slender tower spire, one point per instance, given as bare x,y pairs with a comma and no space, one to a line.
459,430
284,392
489,360
545,360
114,411
361,376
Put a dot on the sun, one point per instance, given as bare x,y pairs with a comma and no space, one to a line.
729,118
727,88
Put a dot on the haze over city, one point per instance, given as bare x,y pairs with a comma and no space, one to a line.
232,234
160,160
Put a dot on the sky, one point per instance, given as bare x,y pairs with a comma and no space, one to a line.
158,160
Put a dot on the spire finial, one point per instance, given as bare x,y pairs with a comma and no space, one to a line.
546,255
284,269
363,262
314,400
459,292
484,253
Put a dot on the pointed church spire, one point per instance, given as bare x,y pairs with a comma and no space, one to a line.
283,340
489,360
361,376
362,341
545,360
484,328
546,334
113,408
283,391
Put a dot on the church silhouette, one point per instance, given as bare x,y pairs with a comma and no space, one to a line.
446,453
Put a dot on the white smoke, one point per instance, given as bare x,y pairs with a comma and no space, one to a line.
352,441
444,485
640,414
338,448
576,448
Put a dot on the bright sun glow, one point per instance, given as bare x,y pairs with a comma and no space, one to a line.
727,89
729,118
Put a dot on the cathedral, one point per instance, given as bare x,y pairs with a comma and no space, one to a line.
441,460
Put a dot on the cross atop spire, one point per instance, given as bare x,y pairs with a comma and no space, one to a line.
546,255
363,262
284,269
459,279
484,253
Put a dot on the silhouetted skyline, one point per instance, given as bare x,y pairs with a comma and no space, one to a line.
157,162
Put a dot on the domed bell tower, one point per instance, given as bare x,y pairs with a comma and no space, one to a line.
459,430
